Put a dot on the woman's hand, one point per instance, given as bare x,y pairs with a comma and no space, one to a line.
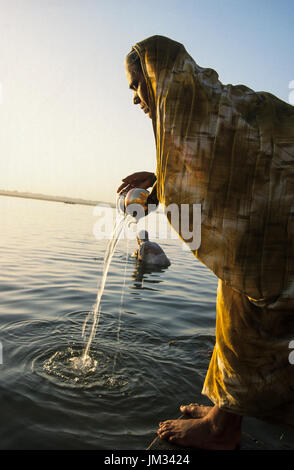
141,179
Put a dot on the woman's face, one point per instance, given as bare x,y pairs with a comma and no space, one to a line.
137,83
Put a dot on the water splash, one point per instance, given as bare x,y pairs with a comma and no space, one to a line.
119,226
66,365
67,369
76,366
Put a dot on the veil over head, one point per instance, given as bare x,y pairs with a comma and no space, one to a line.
230,149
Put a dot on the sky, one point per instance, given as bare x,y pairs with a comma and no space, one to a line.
68,126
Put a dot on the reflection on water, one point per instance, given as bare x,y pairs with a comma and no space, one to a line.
150,354
141,270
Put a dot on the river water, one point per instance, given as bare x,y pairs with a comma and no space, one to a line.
150,352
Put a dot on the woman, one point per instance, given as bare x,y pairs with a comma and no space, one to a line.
231,150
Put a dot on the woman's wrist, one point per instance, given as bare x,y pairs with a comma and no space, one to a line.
152,198
154,179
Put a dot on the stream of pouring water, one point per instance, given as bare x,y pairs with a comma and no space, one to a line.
117,231
121,305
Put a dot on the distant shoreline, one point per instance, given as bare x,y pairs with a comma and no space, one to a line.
64,199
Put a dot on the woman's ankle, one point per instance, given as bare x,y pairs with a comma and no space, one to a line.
221,420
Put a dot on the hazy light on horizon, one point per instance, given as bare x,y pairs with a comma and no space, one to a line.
68,125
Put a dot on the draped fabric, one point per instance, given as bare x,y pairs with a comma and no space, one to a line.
250,372
230,149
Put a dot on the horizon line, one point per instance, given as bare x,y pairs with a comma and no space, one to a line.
47,197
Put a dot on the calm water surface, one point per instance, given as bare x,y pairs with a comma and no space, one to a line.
150,353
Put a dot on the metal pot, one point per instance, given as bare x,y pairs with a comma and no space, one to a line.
127,201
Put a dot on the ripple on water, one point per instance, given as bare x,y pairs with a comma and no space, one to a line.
54,351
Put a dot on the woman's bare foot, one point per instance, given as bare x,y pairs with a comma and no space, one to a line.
217,430
195,410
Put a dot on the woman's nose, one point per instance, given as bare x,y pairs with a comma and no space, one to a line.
136,99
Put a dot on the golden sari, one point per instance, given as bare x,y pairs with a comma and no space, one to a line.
231,150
